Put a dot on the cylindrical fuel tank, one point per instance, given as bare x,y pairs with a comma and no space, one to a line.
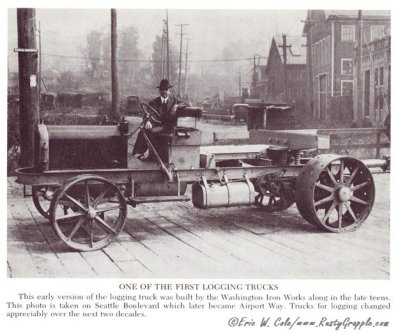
223,195
159,189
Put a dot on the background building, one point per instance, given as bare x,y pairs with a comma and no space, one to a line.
286,73
374,87
333,38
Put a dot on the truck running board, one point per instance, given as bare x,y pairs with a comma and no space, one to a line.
155,199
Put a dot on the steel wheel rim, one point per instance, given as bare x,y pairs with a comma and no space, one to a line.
341,196
97,217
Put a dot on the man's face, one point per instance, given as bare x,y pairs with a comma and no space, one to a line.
164,93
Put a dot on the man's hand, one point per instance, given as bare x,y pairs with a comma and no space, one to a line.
148,125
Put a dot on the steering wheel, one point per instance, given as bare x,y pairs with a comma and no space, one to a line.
151,113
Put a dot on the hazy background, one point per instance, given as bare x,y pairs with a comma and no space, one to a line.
214,35
65,30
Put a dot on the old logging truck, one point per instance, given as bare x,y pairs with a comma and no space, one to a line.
84,178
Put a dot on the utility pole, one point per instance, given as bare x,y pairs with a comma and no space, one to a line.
40,64
180,57
240,82
285,73
357,114
162,52
167,32
28,88
285,68
186,63
254,76
114,69
310,24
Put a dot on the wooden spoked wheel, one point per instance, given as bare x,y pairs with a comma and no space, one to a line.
98,212
42,196
335,192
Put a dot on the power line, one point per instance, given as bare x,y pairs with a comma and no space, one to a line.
151,61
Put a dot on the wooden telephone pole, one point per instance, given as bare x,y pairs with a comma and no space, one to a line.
180,57
254,77
357,113
28,82
285,73
186,64
240,81
114,68
167,41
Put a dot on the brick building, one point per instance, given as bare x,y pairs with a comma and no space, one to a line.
375,84
332,40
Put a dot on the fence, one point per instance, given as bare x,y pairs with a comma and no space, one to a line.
358,142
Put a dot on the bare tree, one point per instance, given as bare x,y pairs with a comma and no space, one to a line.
93,52
128,56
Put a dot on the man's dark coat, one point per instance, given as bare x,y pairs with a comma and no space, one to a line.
167,115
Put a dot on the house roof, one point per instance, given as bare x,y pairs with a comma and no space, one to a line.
296,53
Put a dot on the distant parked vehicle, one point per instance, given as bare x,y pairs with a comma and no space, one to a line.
133,105
262,115
48,100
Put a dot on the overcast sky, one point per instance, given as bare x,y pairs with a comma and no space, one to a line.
64,30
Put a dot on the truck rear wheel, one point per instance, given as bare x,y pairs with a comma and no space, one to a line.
335,192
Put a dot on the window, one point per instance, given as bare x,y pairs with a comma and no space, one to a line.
321,52
379,93
381,99
348,33
347,67
347,87
293,92
315,55
302,92
377,32
327,42
381,76
322,46
367,90
376,90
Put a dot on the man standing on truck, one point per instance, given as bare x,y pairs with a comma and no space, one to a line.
166,105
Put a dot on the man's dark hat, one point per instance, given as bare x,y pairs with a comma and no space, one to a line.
164,84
